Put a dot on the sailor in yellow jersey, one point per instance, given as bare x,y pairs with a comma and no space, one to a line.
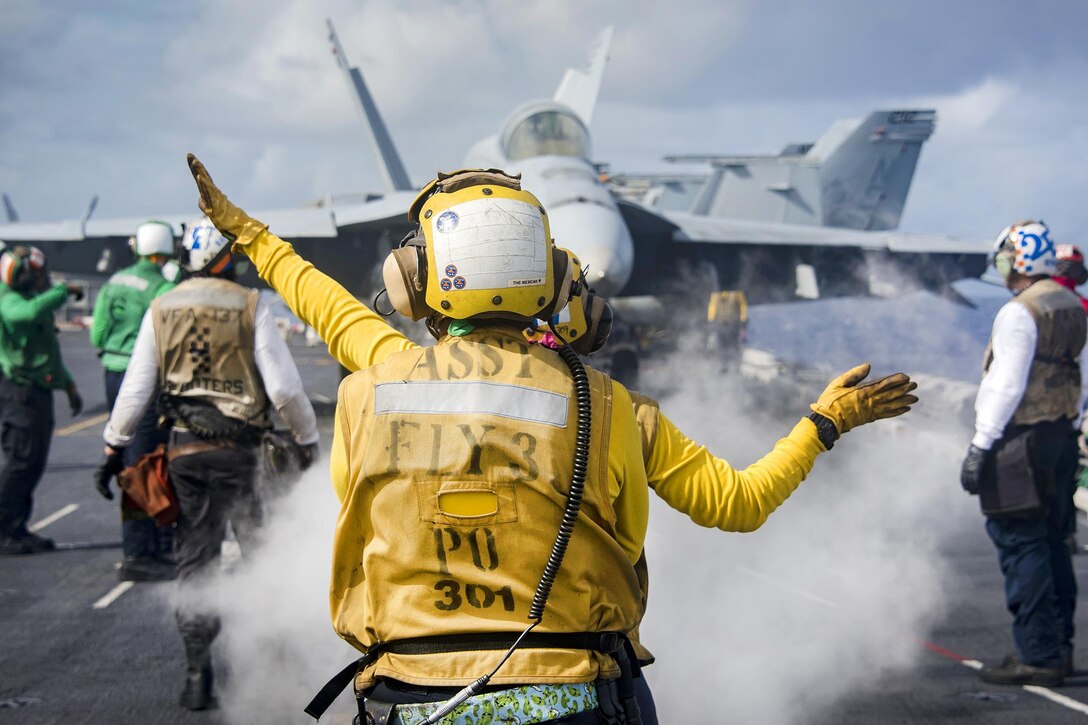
683,473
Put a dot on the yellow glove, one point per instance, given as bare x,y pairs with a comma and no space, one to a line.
234,223
848,405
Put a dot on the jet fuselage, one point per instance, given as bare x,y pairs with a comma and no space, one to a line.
549,146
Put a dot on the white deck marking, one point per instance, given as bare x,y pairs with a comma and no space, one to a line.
53,517
1059,699
112,595
1044,692
81,424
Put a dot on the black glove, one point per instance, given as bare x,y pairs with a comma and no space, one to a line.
306,456
75,400
974,466
114,464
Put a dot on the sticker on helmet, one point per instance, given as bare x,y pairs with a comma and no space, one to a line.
446,285
459,282
1034,246
447,222
451,270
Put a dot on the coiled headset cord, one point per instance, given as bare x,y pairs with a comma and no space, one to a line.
566,526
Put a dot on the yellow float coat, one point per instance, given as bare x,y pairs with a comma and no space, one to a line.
459,457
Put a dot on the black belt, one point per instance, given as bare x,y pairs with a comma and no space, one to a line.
605,642
248,438
180,437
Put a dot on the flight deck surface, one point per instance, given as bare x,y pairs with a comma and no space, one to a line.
827,615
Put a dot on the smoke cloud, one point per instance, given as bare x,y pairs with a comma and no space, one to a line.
838,589
834,593
277,647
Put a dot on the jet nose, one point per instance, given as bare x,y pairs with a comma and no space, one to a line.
605,273
600,239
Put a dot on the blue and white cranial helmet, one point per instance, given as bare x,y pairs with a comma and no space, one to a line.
1030,247
204,244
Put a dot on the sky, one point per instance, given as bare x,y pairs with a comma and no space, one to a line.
106,98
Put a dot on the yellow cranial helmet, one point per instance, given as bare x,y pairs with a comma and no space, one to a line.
584,323
483,248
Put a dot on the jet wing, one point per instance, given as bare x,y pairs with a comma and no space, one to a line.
288,223
328,233
693,228
319,222
45,231
391,208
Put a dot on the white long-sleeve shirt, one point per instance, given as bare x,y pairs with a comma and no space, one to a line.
1014,336
278,371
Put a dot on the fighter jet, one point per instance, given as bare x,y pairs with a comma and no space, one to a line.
813,220
816,218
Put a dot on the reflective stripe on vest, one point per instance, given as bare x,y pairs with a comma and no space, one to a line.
129,280
465,397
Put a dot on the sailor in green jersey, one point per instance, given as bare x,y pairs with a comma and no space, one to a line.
30,370
118,312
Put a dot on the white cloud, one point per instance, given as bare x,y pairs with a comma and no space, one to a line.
244,82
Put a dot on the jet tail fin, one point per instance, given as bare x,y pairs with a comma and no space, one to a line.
867,167
90,210
9,210
579,88
396,178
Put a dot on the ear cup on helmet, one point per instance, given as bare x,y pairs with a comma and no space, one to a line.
599,319
10,262
562,278
19,265
405,275
1003,263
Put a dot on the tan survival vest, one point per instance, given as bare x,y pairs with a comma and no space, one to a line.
489,419
204,331
1053,389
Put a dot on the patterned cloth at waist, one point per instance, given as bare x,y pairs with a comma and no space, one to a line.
525,704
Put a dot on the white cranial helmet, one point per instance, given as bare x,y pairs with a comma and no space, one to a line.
154,237
203,246
1025,248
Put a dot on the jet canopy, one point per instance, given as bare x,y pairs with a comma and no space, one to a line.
545,130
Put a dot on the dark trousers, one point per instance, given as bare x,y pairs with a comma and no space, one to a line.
1040,588
212,487
140,537
26,430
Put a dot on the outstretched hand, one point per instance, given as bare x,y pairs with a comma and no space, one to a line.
234,223
848,404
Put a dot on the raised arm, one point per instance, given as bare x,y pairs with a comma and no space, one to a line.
356,336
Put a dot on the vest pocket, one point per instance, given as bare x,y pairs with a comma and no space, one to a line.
473,503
